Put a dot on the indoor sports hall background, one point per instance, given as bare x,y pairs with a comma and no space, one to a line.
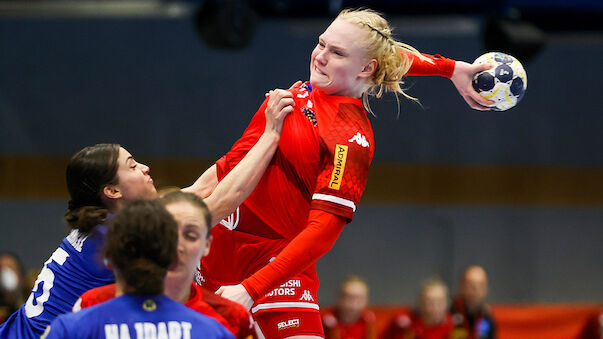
518,192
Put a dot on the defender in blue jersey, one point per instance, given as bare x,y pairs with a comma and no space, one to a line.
93,176
132,316
71,270
141,244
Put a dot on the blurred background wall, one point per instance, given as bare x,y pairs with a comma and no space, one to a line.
519,192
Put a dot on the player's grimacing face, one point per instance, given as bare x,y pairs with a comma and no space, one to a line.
134,179
193,242
338,59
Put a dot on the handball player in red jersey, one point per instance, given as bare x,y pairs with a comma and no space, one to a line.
264,255
193,219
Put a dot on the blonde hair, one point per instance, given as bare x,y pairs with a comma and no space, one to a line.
430,284
353,279
392,56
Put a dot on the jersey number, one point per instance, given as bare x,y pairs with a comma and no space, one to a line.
35,305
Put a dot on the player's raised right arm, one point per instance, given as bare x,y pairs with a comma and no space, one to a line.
459,72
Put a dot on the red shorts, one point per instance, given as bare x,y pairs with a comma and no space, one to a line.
280,325
236,255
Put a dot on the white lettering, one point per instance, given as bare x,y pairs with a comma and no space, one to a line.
162,332
281,291
186,329
111,331
139,330
124,331
292,283
175,330
150,331
287,324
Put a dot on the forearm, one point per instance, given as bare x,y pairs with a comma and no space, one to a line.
430,65
205,184
314,241
240,182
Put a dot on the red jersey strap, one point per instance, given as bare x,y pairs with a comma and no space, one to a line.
436,65
314,241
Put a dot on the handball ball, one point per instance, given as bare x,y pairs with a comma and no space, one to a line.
505,83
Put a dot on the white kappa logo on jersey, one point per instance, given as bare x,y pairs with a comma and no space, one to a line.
306,296
360,139
232,221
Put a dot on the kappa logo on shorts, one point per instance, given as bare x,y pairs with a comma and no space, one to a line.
306,296
341,154
283,325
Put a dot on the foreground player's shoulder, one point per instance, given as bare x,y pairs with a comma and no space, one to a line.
70,325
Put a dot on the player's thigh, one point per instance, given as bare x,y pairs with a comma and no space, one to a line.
291,324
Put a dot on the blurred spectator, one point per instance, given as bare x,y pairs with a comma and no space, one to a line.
11,282
350,318
430,319
472,316
593,328
29,279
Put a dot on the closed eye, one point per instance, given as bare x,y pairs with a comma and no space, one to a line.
191,236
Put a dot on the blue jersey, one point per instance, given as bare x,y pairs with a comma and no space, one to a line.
131,316
75,267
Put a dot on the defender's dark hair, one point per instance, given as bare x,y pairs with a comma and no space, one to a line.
179,196
141,244
88,172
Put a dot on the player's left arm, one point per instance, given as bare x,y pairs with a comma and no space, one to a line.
459,72
306,248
